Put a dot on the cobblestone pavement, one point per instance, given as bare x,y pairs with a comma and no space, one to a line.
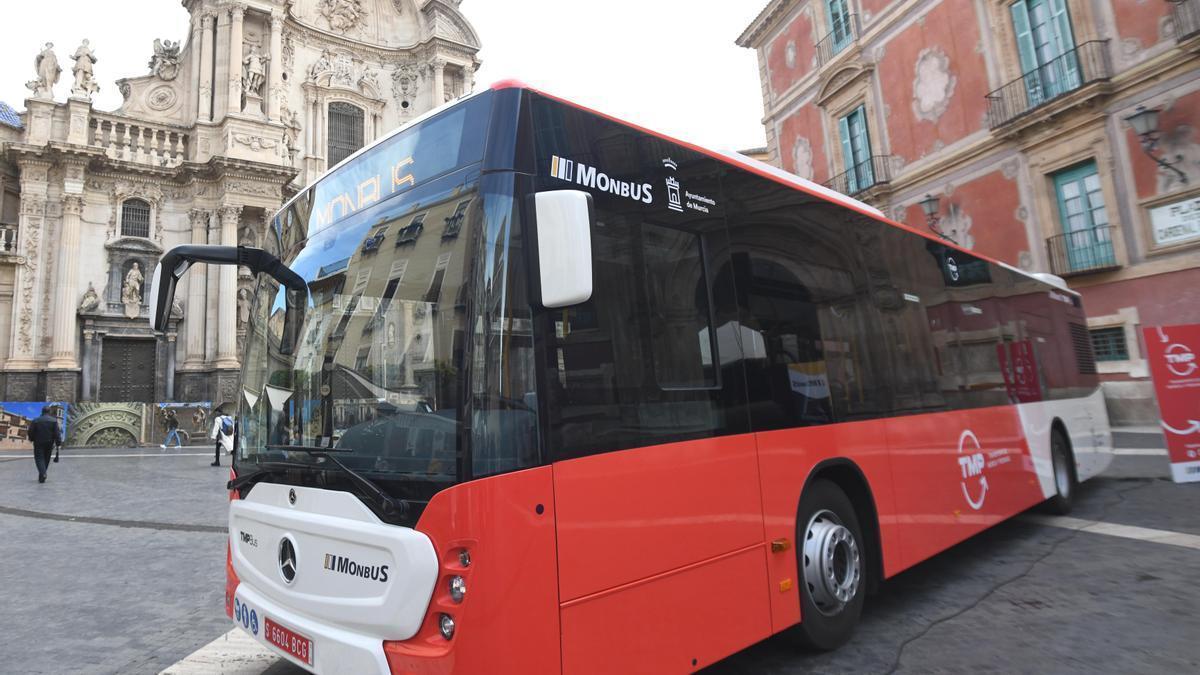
101,572
92,595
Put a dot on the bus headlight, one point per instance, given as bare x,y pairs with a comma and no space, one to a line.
446,625
458,588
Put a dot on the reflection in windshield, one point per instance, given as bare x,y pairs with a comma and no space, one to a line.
402,297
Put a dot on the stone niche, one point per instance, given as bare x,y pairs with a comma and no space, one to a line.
122,254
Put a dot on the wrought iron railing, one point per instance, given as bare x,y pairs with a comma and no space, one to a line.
1186,16
845,33
863,176
1082,251
1089,62
8,238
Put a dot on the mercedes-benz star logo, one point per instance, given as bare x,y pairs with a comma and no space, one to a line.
287,559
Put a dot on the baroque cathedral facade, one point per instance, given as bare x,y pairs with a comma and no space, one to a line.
258,100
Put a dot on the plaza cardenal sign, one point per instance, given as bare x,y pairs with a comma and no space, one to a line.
1176,223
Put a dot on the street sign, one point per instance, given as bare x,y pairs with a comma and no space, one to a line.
1174,356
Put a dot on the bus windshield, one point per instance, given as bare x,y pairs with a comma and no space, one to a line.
415,356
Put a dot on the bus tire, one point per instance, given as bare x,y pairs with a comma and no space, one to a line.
832,561
1066,484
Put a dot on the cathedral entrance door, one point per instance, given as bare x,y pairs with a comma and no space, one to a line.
127,371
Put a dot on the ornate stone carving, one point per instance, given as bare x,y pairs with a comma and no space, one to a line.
255,143
162,97
85,79
933,85
802,158
405,85
165,62
131,292
90,300
45,64
342,15
72,205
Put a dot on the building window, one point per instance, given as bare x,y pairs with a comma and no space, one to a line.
1087,236
454,222
135,218
409,233
1109,344
345,131
838,12
856,150
1046,45
439,274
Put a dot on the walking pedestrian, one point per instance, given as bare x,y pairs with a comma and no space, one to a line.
222,433
45,434
172,430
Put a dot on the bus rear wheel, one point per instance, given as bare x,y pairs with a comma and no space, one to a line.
1065,482
833,567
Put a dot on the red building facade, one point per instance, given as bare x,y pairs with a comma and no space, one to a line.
1013,115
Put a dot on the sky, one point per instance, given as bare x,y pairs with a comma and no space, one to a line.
669,65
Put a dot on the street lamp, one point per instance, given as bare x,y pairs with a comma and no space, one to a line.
1145,124
931,206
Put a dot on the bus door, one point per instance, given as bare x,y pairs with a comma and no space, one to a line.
656,480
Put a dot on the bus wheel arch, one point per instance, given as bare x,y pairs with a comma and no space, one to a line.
836,520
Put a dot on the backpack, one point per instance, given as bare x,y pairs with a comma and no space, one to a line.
226,425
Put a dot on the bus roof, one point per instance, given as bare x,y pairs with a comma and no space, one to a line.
791,180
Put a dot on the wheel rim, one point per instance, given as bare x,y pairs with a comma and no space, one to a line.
832,563
1062,473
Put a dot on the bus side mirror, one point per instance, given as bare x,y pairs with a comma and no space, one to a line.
564,242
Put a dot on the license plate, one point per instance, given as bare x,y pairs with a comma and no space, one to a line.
288,640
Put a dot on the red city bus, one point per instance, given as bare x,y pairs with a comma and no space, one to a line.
528,389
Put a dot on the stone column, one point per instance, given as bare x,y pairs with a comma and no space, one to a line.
171,345
221,72
237,14
227,356
439,82
204,69
194,324
275,68
65,334
89,359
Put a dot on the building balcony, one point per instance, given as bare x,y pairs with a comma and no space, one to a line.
1084,251
1087,64
844,34
8,238
1186,16
125,139
865,178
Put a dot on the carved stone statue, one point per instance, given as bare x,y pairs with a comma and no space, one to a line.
254,71
131,292
243,307
85,80
291,132
322,65
48,71
165,62
342,15
176,308
90,300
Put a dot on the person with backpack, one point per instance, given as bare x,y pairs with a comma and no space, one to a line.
222,433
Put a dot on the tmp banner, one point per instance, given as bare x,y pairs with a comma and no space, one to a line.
1174,356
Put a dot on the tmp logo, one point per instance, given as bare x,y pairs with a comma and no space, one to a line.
589,176
972,463
1181,361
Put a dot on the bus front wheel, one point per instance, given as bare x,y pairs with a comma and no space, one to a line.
833,564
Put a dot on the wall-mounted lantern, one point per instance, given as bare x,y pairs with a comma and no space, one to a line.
1145,124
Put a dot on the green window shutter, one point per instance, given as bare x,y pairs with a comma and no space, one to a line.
839,23
1064,38
848,151
1027,51
860,138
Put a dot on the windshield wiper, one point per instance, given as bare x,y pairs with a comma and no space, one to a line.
391,507
308,448
265,469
